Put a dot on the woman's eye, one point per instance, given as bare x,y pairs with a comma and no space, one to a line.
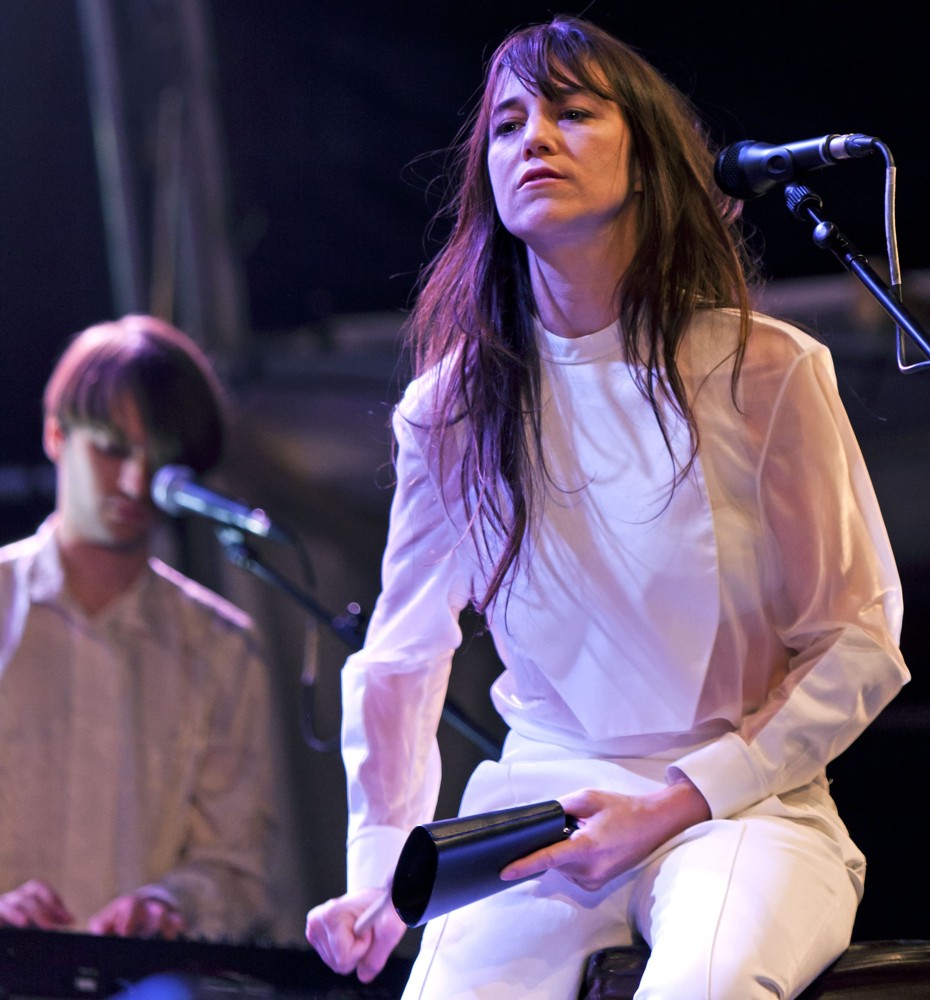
575,114
506,127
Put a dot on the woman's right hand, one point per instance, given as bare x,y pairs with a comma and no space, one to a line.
346,943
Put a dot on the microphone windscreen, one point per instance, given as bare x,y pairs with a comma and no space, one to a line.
730,179
165,483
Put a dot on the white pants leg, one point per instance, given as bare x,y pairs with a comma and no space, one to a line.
529,941
735,909
745,909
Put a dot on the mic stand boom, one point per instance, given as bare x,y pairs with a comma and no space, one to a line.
806,205
346,626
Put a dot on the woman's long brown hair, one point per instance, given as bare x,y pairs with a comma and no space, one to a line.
474,316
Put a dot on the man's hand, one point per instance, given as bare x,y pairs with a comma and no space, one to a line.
344,944
615,832
34,904
138,915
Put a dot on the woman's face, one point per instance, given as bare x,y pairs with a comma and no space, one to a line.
561,171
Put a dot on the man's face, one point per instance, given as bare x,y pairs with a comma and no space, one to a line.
104,476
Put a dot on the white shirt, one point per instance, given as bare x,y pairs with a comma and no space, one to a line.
134,745
745,624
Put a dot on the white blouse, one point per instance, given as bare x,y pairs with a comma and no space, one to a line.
743,624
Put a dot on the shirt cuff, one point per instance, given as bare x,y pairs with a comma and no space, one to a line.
372,857
726,774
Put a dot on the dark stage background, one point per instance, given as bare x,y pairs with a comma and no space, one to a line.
309,137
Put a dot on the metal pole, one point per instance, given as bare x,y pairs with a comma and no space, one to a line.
114,162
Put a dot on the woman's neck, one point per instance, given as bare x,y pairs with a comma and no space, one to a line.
576,287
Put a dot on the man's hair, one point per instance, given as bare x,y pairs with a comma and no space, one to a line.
162,370
475,313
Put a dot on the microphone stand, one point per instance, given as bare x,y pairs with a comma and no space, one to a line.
347,626
806,205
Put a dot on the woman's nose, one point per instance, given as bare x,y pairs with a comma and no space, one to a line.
537,136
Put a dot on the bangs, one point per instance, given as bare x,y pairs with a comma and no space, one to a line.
92,393
178,396
551,58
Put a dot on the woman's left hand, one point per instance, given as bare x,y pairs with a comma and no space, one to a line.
615,832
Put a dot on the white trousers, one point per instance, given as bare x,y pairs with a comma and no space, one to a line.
754,906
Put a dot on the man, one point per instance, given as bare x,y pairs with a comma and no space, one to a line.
135,774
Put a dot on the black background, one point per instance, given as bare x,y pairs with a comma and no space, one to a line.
328,108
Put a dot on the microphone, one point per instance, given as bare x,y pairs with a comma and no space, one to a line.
748,169
175,491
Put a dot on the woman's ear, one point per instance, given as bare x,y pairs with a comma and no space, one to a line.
52,437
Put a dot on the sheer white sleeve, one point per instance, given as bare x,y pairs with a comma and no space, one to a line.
394,688
833,596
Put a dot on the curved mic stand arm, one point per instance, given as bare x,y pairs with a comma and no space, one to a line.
806,205
347,626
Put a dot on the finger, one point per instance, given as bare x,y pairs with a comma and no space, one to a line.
97,925
171,923
329,931
141,917
533,864
12,915
41,898
22,910
129,918
581,804
151,917
315,930
60,915
387,932
117,917
47,920
103,922
553,858
343,950
43,892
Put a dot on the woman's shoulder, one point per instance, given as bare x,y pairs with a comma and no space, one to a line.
426,394
781,341
773,345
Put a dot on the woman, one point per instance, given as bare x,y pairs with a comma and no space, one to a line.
656,499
